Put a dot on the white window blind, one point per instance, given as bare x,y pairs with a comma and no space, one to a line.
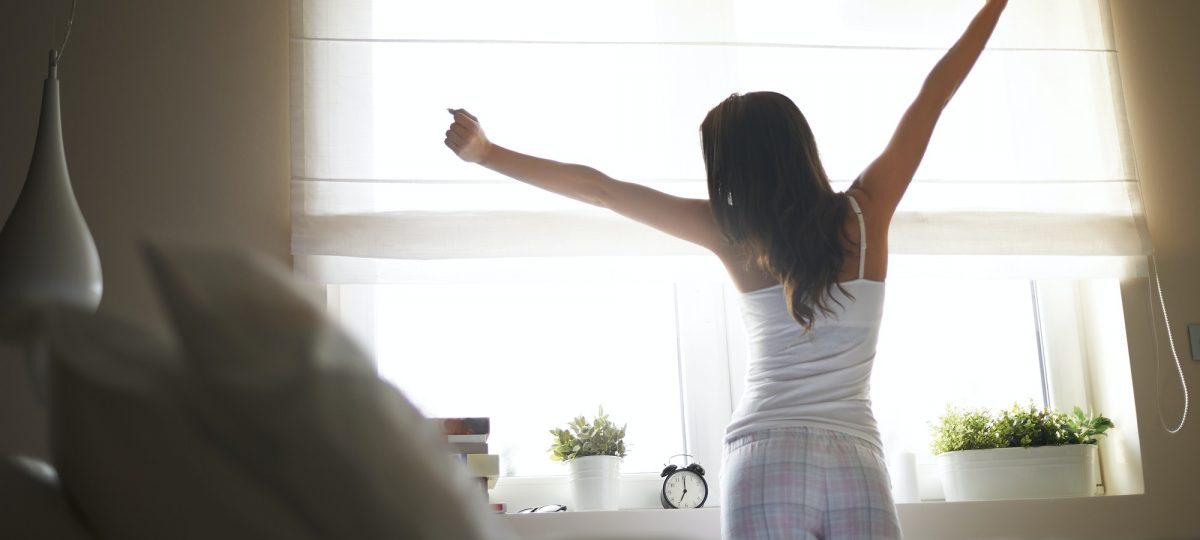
1029,174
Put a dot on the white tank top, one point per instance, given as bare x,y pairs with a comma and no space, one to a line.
820,378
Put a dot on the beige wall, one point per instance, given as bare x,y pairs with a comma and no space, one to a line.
175,121
1159,51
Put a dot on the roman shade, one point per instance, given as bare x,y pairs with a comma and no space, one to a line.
1030,172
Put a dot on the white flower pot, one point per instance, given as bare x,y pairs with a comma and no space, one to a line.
1019,473
595,482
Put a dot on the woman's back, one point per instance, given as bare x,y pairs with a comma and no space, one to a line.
749,277
817,376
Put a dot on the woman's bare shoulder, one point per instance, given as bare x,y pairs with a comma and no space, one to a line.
872,206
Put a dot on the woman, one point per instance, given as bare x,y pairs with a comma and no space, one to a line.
803,456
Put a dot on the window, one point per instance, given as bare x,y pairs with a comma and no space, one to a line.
534,355
1027,196
531,354
533,343
968,343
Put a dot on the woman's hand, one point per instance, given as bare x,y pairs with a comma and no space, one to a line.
466,138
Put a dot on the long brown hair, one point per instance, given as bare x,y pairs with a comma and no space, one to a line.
770,195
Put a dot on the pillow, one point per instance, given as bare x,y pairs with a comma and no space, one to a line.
32,505
129,452
258,419
288,398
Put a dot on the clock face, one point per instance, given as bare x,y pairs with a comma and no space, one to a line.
685,489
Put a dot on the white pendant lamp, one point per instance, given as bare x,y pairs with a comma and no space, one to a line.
46,250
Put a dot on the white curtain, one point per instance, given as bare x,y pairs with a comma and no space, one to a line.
1029,173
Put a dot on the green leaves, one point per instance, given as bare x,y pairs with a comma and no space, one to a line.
1088,427
1016,427
1019,427
600,437
964,430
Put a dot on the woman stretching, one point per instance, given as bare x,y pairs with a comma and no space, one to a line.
802,455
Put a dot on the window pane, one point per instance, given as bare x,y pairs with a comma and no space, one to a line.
968,343
532,356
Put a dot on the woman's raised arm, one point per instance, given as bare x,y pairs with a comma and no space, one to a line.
687,219
885,180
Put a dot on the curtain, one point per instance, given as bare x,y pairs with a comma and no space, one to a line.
1030,171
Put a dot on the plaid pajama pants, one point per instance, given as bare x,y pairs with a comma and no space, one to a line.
805,483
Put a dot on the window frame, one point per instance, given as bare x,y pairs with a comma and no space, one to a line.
710,355
702,344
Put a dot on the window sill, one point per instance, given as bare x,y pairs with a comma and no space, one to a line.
1047,500
630,524
639,491
939,519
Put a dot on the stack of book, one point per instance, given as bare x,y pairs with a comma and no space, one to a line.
468,440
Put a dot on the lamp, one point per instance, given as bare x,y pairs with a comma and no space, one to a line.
46,250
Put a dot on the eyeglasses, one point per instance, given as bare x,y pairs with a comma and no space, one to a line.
543,509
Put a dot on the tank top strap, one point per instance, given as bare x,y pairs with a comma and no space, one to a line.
862,237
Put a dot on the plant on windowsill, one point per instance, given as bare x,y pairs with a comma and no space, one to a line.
593,452
1020,453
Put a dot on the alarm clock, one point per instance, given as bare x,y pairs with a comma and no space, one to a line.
683,487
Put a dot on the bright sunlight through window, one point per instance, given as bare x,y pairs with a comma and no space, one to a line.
533,356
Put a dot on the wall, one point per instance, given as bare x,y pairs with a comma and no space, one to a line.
1158,46
175,122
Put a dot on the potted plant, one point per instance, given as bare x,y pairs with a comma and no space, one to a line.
593,452
1020,453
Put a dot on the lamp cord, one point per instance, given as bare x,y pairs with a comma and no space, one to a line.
70,22
1174,354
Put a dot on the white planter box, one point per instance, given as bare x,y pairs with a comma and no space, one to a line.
1019,473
